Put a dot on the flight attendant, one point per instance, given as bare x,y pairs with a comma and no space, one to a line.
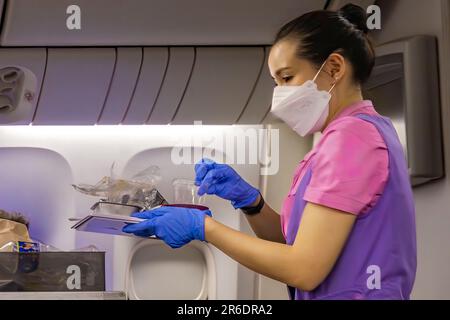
347,226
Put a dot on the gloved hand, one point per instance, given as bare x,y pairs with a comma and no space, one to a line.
176,226
223,181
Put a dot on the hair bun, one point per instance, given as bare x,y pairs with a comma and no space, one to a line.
356,16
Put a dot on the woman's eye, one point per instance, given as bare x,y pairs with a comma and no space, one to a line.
287,79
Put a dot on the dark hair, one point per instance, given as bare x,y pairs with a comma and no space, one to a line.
320,33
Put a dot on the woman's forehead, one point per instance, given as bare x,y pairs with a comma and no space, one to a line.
282,55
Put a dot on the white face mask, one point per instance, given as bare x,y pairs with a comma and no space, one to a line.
304,108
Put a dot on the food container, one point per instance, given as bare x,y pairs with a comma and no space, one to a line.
185,192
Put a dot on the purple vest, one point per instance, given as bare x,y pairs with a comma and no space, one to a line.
379,258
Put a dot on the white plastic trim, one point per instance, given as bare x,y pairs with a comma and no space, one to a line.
208,290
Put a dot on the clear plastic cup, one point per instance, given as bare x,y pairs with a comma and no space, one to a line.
185,192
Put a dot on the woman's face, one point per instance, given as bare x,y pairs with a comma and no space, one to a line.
287,69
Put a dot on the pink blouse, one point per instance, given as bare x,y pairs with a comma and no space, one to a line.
349,165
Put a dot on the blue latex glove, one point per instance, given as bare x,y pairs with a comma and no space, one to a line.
223,181
176,226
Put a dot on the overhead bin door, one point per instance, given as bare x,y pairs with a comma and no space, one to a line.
151,77
126,72
261,98
220,85
148,23
75,86
181,61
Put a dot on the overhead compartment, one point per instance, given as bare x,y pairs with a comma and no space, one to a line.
220,85
126,72
189,73
148,23
30,61
75,86
181,62
151,77
131,86
261,97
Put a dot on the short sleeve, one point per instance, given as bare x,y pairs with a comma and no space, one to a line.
350,168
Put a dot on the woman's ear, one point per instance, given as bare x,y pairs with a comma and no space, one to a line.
336,66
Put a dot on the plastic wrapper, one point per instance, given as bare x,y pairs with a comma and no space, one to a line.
20,246
140,190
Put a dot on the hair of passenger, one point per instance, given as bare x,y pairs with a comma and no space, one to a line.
321,33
